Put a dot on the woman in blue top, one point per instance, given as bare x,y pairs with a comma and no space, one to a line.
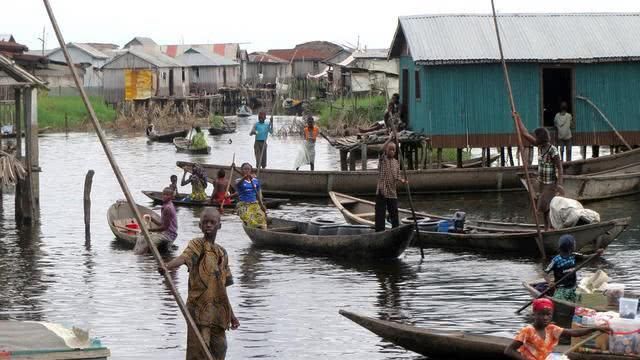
247,190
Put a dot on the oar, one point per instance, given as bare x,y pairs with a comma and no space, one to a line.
576,346
226,191
555,283
515,115
408,188
123,183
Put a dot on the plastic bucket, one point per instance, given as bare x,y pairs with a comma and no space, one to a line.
313,228
428,225
443,226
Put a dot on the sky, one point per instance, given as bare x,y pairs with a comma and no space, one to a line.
257,25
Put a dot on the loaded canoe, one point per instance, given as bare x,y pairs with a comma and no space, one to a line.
452,345
181,200
490,235
607,184
319,183
168,137
183,145
291,236
120,214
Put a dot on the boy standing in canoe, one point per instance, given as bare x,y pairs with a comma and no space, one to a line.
209,276
168,224
537,341
549,167
388,178
261,131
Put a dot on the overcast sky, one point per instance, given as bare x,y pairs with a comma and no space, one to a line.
258,25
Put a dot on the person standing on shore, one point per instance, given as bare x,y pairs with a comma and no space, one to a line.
563,123
388,178
209,276
549,167
307,154
261,131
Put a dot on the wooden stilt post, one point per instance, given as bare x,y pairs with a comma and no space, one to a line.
439,158
595,151
459,157
18,129
583,151
363,154
429,157
510,154
352,160
88,182
488,157
502,157
343,160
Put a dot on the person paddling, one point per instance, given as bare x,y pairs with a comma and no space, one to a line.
208,301
537,341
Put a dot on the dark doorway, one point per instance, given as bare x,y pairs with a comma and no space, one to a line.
171,82
405,95
557,86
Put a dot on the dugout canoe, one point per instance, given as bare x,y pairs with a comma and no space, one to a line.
452,345
607,184
168,137
181,200
183,145
119,215
244,111
491,236
319,183
291,236
38,340
226,128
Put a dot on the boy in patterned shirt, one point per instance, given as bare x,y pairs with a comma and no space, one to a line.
549,167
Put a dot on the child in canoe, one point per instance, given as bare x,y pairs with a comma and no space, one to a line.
537,341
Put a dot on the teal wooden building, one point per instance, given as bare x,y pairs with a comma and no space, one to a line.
453,88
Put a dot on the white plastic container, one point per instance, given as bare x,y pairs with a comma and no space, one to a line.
628,308
625,339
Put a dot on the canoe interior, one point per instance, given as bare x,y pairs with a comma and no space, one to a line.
181,200
182,144
119,214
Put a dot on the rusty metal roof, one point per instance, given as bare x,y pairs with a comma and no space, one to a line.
202,57
471,38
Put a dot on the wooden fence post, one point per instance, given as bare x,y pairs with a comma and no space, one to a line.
88,182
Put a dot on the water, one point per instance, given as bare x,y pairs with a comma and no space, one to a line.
287,304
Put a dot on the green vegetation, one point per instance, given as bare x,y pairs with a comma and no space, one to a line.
52,111
349,111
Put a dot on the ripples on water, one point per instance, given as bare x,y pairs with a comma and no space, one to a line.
287,304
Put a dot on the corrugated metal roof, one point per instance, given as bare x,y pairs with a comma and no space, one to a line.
467,38
228,50
261,57
19,74
6,37
157,59
202,57
142,40
371,54
90,50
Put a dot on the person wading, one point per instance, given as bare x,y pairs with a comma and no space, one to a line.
209,276
388,178
307,154
261,131
549,167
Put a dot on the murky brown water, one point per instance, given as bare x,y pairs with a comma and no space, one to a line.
287,304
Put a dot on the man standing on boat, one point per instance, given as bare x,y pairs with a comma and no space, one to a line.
261,131
549,167
209,276
388,178
307,154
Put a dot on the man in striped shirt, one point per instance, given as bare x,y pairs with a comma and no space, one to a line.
388,178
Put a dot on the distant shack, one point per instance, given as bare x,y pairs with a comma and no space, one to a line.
453,87
209,72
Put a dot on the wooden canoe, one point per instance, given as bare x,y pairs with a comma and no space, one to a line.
319,183
120,214
291,236
222,130
475,162
607,184
244,111
181,200
490,235
183,145
452,345
168,137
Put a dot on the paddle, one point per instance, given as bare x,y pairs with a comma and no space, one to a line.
408,188
123,184
542,294
226,191
584,341
515,116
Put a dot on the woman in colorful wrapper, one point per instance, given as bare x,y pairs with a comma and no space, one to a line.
247,190
198,181
537,341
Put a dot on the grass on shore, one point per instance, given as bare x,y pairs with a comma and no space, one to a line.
52,111
349,111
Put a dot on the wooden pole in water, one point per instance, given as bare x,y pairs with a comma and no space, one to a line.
123,183
88,182
516,117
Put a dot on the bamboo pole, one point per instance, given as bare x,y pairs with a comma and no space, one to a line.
123,183
516,117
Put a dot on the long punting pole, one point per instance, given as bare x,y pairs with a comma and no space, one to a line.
123,183
515,115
